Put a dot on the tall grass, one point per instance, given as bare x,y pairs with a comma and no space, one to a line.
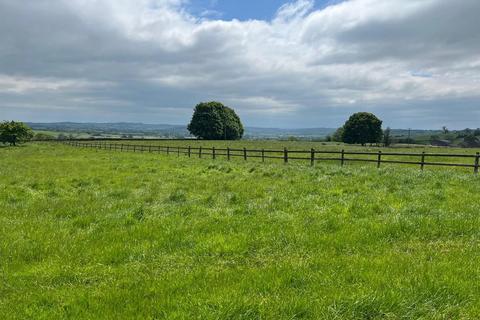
95,234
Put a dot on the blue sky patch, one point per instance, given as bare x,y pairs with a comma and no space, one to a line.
243,9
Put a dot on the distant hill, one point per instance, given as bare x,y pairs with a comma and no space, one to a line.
167,130
113,129
276,133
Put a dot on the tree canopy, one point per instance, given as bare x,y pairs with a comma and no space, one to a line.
362,128
14,132
387,140
214,121
338,135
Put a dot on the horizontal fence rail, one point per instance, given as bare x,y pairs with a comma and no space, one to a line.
313,156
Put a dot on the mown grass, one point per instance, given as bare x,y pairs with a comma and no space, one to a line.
96,234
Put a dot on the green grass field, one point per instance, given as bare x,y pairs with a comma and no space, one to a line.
94,234
304,146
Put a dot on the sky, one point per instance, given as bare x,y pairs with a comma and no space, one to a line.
288,64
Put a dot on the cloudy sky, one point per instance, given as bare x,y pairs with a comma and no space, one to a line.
304,63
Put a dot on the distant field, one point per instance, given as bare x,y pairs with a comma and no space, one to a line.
87,234
77,135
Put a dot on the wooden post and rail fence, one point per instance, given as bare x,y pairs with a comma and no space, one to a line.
312,155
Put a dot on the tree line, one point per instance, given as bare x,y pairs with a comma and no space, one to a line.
215,121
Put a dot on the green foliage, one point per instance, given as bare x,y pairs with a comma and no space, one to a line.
471,141
338,135
214,121
387,140
92,234
13,132
362,128
62,136
40,136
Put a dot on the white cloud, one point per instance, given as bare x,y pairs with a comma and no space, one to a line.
303,65
294,11
21,85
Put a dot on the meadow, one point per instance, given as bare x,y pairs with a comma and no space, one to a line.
87,233
409,153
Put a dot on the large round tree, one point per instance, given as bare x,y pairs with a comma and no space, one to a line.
362,128
214,121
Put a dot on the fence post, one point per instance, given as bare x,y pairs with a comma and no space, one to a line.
228,153
149,149
121,147
245,154
200,152
379,160
178,152
134,148
285,155
213,153
263,155
189,151
168,151
343,157
312,157
477,163
423,160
